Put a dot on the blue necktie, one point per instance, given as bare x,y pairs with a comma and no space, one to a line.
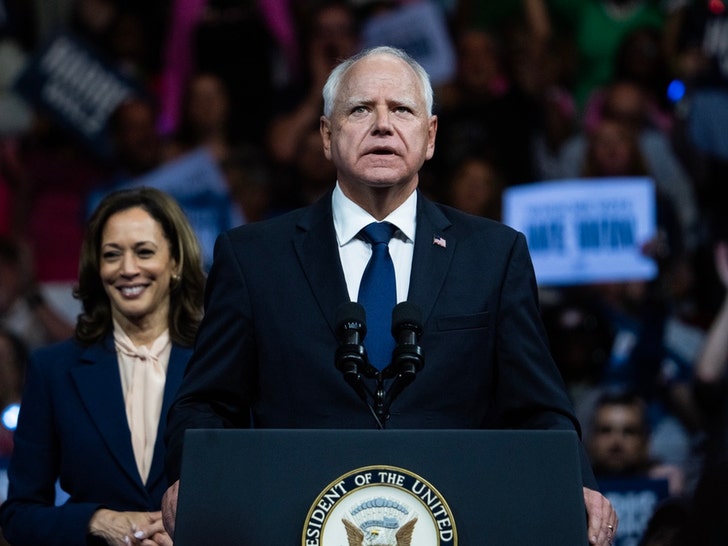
378,294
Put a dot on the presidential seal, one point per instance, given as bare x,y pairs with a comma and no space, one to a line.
379,506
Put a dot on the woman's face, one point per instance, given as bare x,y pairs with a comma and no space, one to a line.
474,188
207,106
136,267
612,149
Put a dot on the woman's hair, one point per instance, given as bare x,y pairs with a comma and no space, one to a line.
186,290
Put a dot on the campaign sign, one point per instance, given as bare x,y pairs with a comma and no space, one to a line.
197,184
419,29
76,87
634,500
586,230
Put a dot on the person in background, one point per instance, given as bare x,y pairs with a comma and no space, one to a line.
329,34
473,281
708,506
711,368
581,340
204,119
482,112
248,177
626,104
136,144
598,28
476,187
94,406
618,441
696,47
667,523
24,310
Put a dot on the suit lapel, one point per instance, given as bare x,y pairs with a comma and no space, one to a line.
99,387
315,244
434,249
178,359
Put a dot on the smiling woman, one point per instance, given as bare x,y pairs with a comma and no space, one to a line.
159,225
94,405
136,270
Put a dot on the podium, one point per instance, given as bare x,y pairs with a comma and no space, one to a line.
280,487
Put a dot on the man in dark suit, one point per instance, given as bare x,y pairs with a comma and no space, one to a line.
265,351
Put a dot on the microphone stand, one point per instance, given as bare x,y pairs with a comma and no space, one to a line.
407,361
407,357
352,361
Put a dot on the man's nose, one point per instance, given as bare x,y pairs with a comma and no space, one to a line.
382,120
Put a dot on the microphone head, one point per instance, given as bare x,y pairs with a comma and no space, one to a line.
406,315
351,316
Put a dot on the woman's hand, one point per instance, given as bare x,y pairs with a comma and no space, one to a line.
129,528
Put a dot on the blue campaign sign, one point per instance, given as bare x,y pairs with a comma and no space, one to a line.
76,87
199,187
421,30
634,500
586,230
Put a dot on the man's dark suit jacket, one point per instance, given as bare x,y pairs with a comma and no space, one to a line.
265,350
73,427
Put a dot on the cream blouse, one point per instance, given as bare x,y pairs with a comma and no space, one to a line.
143,374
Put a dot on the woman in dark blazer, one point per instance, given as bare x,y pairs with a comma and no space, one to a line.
93,411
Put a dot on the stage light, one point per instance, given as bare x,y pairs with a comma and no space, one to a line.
675,91
10,416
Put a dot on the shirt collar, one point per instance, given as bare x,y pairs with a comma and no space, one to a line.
350,218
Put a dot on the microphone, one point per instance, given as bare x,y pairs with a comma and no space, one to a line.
350,358
407,358
351,323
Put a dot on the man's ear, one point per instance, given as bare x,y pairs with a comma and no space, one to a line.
325,130
431,134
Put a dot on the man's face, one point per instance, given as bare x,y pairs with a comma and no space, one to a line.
379,133
619,440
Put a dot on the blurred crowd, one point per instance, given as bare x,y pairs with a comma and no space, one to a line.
540,90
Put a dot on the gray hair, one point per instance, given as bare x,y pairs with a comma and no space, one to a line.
331,88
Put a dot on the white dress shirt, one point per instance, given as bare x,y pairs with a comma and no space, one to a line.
350,218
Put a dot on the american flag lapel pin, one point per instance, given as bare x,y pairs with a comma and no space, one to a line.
439,240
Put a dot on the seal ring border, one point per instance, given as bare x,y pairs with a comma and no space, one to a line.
385,468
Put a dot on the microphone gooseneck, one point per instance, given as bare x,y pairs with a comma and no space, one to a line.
351,358
408,358
352,361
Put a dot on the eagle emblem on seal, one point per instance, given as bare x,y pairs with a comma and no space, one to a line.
380,522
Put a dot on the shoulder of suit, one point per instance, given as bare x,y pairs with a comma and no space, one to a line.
59,356
463,221
282,223
69,345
